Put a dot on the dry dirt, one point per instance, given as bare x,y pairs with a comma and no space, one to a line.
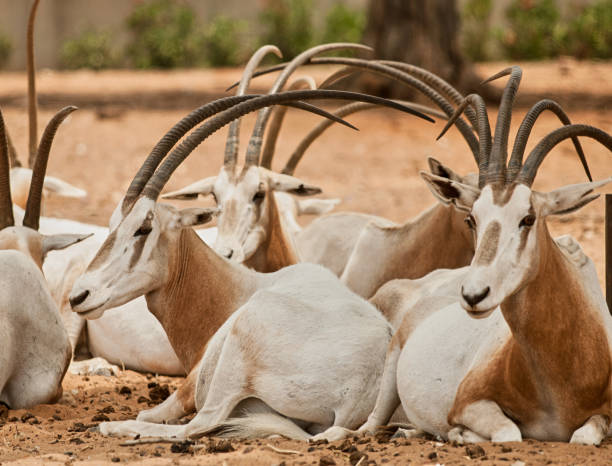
374,170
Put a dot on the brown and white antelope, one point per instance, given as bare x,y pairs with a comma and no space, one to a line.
540,367
34,350
231,326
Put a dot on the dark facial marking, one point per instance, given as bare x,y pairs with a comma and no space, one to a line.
502,193
104,251
488,246
138,247
524,235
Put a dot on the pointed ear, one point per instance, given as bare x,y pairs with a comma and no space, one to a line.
192,191
61,188
61,241
437,168
449,191
291,185
195,216
569,198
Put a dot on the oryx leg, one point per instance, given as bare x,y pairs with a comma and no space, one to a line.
483,420
593,431
177,405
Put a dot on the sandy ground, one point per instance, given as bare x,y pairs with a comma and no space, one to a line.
374,170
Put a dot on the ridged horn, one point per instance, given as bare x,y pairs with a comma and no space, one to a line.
233,135
6,203
278,116
32,101
548,142
32,211
484,132
520,142
255,142
157,182
496,171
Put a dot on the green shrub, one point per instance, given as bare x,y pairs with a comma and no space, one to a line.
91,49
288,25
343,24
223,39
534,30
589,34
164,35
476,30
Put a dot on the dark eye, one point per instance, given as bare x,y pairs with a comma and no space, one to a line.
259,196
143,230
214,197
471,223
527,221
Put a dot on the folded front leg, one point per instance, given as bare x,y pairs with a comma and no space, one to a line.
485,419
177,405
593,431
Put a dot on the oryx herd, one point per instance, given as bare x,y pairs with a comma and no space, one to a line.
470,321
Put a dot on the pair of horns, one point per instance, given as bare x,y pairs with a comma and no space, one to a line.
32,212
493,153
149,182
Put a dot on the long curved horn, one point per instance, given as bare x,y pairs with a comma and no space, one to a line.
32,211
343,111
232,144
6,203
181,128
484,132
15,162
499,154
278,116
157,182
520,141
427,77
32,101
254,147
168,141
539,152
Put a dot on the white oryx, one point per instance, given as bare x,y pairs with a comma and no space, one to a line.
34,348
229,324
540,365
21,176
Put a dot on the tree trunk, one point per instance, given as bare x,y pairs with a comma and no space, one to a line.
420,32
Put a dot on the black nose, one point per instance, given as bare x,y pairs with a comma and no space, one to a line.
473,299
76,300
230,254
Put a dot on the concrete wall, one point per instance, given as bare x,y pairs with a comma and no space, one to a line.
59,20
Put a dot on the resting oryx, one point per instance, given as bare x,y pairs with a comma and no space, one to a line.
540,367
21,176
229,324
34,348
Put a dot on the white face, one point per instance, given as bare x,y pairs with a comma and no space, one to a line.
505,224
244,213
134,258
243,200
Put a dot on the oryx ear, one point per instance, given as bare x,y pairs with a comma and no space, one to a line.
61,241
569,198
192,191
195,216
449,191
61,188
437,168
291,185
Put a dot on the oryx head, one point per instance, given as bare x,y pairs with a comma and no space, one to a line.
506,216
26,238
126,265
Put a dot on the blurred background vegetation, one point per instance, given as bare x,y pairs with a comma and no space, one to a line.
169,34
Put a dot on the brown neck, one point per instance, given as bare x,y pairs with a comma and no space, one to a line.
201,292
438,238
277,250
558,332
